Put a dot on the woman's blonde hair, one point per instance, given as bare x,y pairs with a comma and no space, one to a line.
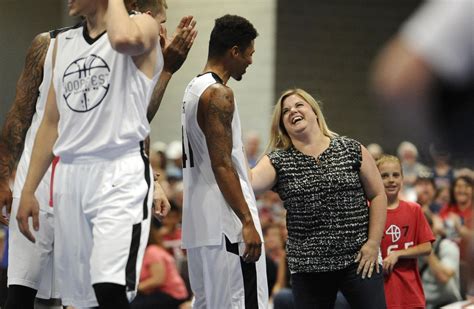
279,138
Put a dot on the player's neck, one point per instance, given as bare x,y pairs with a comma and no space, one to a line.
393,202
217,68
96,22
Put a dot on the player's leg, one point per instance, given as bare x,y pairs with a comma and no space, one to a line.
73,237
229,282
120,219
196,277
24,266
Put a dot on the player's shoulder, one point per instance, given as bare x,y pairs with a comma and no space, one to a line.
216,91
55,32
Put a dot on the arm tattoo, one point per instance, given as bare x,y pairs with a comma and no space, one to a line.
220,126
19,117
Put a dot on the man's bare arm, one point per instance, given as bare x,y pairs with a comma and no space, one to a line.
175,51
19,117
215,113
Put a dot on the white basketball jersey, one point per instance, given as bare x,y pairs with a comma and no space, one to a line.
206,214
102,98
23,165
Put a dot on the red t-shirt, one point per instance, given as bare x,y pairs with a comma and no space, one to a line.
466,216
406,226
173,284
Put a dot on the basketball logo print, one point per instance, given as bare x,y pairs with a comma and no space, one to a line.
86,83
394,231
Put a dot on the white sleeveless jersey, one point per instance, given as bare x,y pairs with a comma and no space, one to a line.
23,164
102,98
206,214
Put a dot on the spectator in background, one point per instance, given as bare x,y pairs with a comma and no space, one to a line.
160,284
443,173
375,150
158,158
408,155
442,196
274,252
458,225
270,208
174,154
426,192
171,232
252,148
407,237
440,272
457,214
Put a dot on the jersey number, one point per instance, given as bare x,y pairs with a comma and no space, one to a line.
185,156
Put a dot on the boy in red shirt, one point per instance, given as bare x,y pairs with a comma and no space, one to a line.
407,236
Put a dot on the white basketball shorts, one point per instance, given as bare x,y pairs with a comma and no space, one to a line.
102,219
221,279
31,264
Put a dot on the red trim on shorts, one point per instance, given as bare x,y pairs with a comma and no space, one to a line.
51,184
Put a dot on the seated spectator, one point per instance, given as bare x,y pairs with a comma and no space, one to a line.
252,148
160,285
274,251
440,272
411,168
425,189
458,225
171,231
443,173
375,150
457,214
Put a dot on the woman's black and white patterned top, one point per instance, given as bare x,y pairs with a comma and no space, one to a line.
327,211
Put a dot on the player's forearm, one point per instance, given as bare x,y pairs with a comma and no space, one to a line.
415,251
229,184
157,95
42,155
377,217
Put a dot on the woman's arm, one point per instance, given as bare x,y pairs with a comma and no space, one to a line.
375,192
263,176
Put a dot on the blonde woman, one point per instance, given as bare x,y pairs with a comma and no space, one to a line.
325,181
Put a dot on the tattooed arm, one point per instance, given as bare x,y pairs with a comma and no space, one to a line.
215,113
19,117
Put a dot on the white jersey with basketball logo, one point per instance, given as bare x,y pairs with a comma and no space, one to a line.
206,214
23,164
102,98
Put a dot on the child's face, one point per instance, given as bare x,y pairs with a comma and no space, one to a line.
392,178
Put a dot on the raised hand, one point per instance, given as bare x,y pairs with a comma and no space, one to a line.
176,49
